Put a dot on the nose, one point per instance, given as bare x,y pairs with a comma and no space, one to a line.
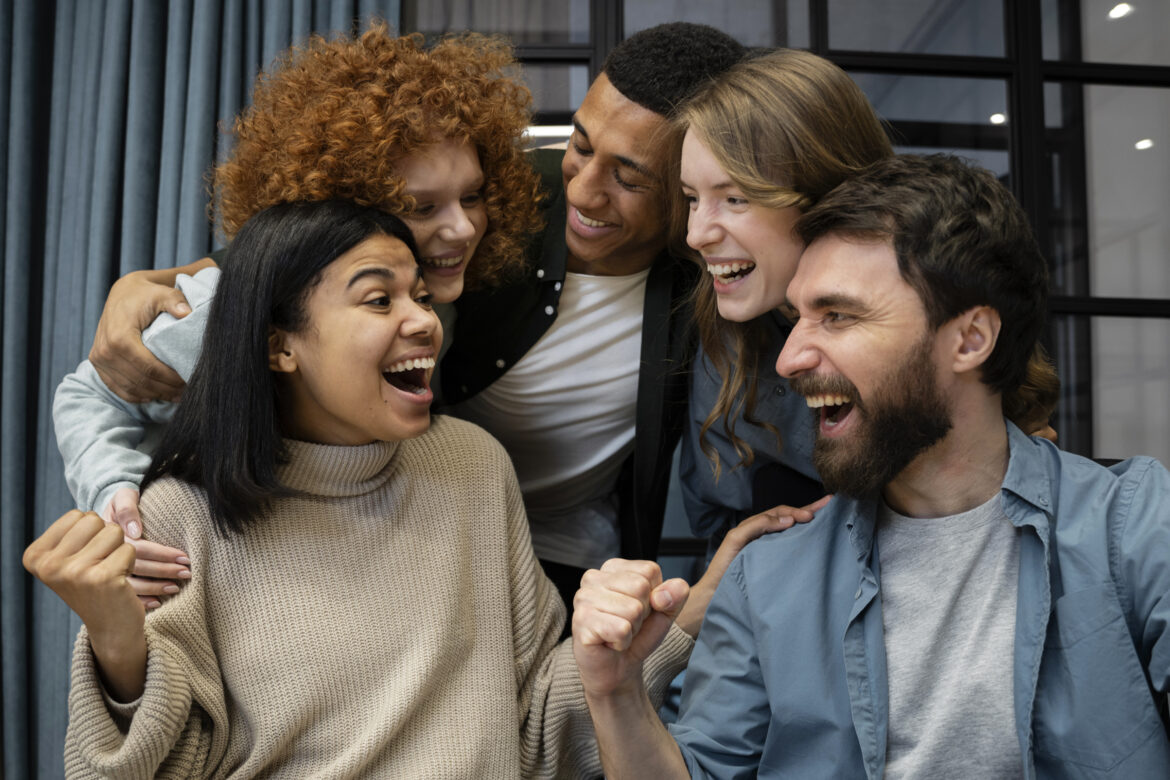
702,229
457,226
798,356
586,189
421,321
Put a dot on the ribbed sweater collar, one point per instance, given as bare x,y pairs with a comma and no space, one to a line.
331,470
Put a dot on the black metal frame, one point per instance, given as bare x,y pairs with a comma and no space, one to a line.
1059,217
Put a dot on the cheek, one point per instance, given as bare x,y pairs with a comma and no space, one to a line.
423,231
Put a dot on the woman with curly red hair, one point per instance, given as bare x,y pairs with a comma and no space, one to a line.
433,135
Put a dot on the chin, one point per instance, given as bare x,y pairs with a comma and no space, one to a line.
444,289
735,313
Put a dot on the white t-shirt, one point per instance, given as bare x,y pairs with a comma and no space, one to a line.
565,412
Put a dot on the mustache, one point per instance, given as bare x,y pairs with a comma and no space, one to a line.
807,384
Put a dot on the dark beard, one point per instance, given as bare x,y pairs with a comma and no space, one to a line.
908,416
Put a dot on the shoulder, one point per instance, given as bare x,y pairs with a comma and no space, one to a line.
456,442
177,341
174,511
802,550
547,162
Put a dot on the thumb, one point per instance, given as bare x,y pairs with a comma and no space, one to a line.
667,600
175,304
670,597
123,510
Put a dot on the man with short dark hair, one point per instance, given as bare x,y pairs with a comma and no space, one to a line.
973,602
580,368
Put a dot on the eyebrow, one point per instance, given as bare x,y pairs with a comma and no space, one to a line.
838,301
427,193
381,272
724,185
633,165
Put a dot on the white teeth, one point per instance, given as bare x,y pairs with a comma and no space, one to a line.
407,365
443,262
587,222
726,269
817,401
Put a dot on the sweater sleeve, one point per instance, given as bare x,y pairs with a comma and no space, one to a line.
179,726
556,732
100,435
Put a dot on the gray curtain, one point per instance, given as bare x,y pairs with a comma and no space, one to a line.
110,114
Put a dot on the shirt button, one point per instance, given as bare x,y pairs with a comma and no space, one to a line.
557,286
539,273
549,310
500,363
780,390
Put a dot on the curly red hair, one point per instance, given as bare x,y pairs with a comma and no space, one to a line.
332,118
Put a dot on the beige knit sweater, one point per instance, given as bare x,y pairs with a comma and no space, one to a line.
392,621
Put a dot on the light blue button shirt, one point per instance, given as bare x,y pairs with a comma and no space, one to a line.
788,677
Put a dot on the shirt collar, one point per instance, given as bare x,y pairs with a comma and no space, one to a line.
1027,479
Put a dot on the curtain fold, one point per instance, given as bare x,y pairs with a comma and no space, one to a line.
110,114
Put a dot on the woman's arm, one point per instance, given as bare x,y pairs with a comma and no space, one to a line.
86,563
101,436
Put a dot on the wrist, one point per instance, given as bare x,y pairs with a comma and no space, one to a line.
121,663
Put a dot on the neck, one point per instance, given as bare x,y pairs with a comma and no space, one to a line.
959,473
623,266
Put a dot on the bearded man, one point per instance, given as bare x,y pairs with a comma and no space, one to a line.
973,602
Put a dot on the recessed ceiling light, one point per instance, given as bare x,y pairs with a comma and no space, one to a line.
1145,143
997,119
549,131
1120,10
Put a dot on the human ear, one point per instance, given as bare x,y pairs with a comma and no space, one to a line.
976,331
280,354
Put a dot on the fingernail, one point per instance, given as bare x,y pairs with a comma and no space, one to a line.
183,560
153,604
665,600
184,574
183,308
134,529
170,588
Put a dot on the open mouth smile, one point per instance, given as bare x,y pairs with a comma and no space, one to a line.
834,409
410,376
726,273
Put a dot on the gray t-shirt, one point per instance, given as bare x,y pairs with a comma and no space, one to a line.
949,611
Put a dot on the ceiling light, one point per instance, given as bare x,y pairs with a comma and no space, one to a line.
1145,143
997,119
549,131
1120,10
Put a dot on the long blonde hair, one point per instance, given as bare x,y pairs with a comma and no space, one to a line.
786,126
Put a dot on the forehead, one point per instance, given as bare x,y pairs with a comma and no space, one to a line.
618,126
697,159
379,251
835,269
433,166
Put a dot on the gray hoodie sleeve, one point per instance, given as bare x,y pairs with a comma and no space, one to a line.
105,441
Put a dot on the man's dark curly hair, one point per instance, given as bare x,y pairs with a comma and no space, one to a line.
660,67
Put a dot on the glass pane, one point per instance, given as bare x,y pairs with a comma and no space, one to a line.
941,114
1107,31
751,22
967,27
1116,369
1109,158
556,87
523,21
